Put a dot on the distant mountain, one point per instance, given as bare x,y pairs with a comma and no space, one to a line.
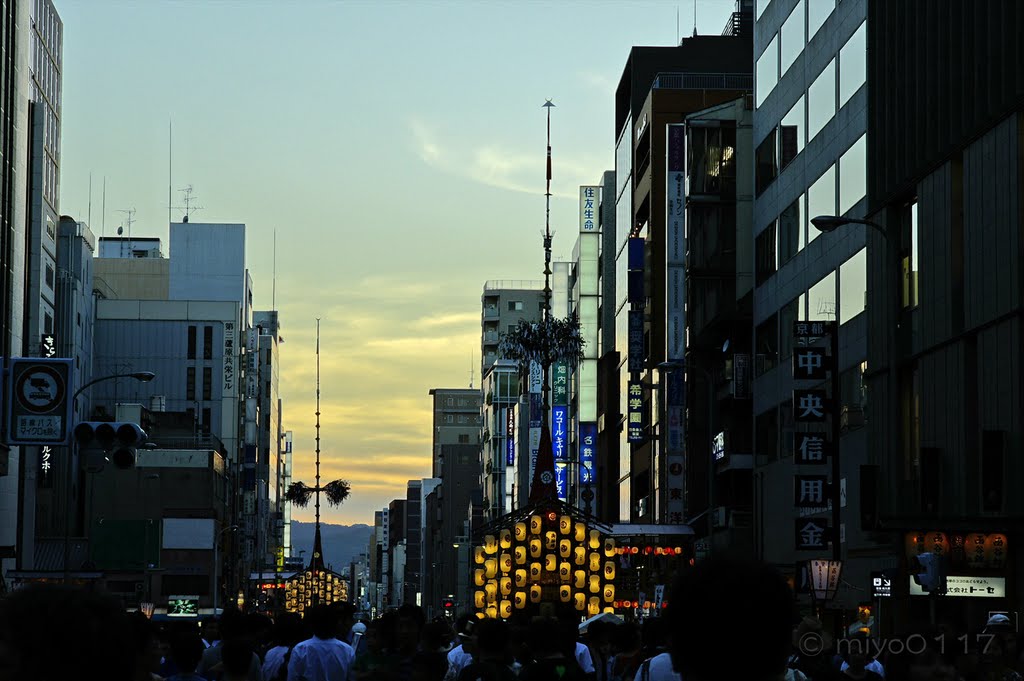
342,543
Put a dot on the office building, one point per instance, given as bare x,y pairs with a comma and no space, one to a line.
273,473
504,304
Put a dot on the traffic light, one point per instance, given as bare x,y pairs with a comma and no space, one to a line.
449,606
118,440
931,576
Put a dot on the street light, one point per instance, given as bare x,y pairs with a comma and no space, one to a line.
216,563
142,377
830,223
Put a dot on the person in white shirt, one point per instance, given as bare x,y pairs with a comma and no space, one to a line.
658,668
584,658
322,657
461,656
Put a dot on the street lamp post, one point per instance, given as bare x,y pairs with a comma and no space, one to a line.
216,564
71,463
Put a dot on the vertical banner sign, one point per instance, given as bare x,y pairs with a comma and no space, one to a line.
48,345
635,412
229,359
741,376
562,481
559,432
675,448
560,383
251,382
510,437
588,208
811,534
635,354
588,452
811,449
536,421
635,271
47,349
536,378
675,234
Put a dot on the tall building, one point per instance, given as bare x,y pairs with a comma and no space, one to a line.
272,471
456,421
504,304
810,122
498,450
944,310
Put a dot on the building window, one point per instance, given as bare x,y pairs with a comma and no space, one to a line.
191,342
853,175
792,37
207,383
766,252
792,131
51,230
208,342
767,341
266,390
817,13
766,166
463,439
911,265
821,200
448,418
511,328
190,383
789,233
767,71
821,100
853,286
515,306
821,299
206,420
49,276
794,311
853,59
47,323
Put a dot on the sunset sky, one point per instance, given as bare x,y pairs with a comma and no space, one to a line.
397,148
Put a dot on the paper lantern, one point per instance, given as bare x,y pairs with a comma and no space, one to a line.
505,538
565,571
594,607
505,608
595,540
520,553
580,555
595,562
519,600
565,548
609,547
478,577
580,534
478,555
565,593
550,562
490,545
521,578
580,579
565,524
479,599
996,550
974,550
490,567
535,593
491,592
505,586
595,584
520,531
535,548
609,609
505,562
609,570
609,593
550,540
536,524
581,600
534,572
492,612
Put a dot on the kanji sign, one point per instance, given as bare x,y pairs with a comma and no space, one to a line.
39,411
635,352
810,364
811,534
560,432
967,586
810,491
560,384
810,406
635,412
816,329
48,345
811,449
588,451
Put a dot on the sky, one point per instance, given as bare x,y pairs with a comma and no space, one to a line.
393,151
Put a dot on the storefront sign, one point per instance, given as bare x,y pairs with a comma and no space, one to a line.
560,432
968,587
588,452
229,359
635,412
510,437
560,383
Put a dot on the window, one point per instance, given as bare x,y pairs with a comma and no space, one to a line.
853,286
794,311
911,264
791,134
821,100
761,4
821,200
207,383
190,383
767,70
191,342
766,253
515,306
766,168
821,299
817,13
464,439
50,228
448,418
266,390
767,341
790,228
208,342
792,37
853,175
853,59
206,420
47,323
49,276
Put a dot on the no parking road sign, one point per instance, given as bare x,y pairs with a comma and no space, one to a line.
39,401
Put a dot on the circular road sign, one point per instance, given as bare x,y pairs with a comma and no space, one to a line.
40,389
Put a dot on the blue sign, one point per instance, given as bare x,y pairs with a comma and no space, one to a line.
536,410
588,451
560,432
562,481
510,438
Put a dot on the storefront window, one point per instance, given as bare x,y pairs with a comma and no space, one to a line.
821,100
853,58
767,70
821,200
853,175
853,286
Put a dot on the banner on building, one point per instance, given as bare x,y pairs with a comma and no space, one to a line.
589,204
229,359
588,453
560,432
675,227
536,378
562,481
635,412
510,436
560,383
635,352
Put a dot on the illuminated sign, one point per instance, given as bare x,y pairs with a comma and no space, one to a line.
560,384
588,451
588,208
229,359
559,432
635,412
718,446
562,481
183,606
510,435
969,587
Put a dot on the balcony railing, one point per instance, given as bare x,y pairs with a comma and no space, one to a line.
703,81
514,284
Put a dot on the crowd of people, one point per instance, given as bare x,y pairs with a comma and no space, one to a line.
726,621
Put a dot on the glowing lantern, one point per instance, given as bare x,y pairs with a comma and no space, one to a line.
565,524
595,562
478,555
505,609
505,586
580,534
565,593
491,591
580,555
550,562
490,545
581,579
658,551
565,548
535,593
519,600
492,612
534,572
581,601
609,593
595,540
565,571
609,547
478,577
595,584
520,531
521,578
536,524
520,552
505,562
505,538
594,607
490,568
610,610
609,570
550,540
535,548
478,600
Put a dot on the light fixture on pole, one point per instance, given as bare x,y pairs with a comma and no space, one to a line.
830,223
824,578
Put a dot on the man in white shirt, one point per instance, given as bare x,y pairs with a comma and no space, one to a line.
322,657
584,658
658,668
461,656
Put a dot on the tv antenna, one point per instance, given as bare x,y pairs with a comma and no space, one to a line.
471,370
189,208
130,212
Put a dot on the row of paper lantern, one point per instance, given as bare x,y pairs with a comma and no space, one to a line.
488,598
520,579
519,531
534,572
505,563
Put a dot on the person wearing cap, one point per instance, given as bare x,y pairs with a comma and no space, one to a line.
999,649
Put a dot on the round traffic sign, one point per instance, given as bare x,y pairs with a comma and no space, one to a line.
40,389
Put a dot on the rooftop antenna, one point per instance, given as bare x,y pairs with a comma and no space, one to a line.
130,212
170,151
694,18
189,200
104,232
89,214
273,288
470,369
